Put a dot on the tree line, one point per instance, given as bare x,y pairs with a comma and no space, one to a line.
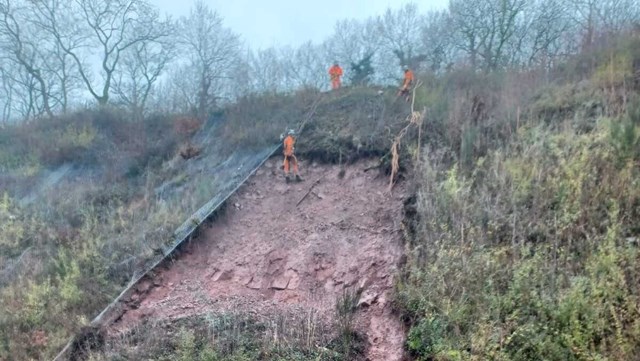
57,55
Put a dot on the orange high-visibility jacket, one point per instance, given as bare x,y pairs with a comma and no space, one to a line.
408,79
335,71
289,142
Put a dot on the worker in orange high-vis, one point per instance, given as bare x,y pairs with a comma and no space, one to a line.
290,160
335,72
406,83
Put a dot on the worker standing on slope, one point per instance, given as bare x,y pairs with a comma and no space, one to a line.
290,160
406,83
335,72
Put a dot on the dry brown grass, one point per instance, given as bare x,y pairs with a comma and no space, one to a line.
414,120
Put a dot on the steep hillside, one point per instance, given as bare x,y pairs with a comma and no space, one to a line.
87,211
511,233
289,251
523,243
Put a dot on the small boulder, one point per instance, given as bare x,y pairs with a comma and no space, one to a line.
222,276
367,298
254,284
144,287
280,283
294,279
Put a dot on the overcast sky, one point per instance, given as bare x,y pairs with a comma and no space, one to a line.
264,23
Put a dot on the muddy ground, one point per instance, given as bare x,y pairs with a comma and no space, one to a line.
278,246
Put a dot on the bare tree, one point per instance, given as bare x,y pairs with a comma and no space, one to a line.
287,60
542,37
212,50
102,29
175,93
20,40
267,71
617,15
438,40
352,41
486,28
467,19
400,32
7,94
117,25
308,66
504,21
24,91
57,19
585,15
603,16
66,81
141,67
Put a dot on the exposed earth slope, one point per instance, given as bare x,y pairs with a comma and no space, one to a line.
281,248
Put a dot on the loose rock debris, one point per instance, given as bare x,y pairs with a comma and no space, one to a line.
268,252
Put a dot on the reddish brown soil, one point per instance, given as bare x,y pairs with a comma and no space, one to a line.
266,254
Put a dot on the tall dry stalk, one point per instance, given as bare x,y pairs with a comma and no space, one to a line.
416,118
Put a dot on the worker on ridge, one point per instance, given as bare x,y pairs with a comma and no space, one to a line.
290,160
335,72
406,83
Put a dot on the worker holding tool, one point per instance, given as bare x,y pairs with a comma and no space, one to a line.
290,160
335,72
406,83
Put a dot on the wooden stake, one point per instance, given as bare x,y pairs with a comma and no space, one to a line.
309,191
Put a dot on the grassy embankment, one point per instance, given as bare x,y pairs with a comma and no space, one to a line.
523,235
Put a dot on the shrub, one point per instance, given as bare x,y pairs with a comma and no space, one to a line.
525,257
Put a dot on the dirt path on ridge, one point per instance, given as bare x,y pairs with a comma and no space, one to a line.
264,253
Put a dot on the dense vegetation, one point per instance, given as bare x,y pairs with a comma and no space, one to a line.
523,238
65,254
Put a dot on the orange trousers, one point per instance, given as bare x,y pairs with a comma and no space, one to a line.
290,160
335,83
405,92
